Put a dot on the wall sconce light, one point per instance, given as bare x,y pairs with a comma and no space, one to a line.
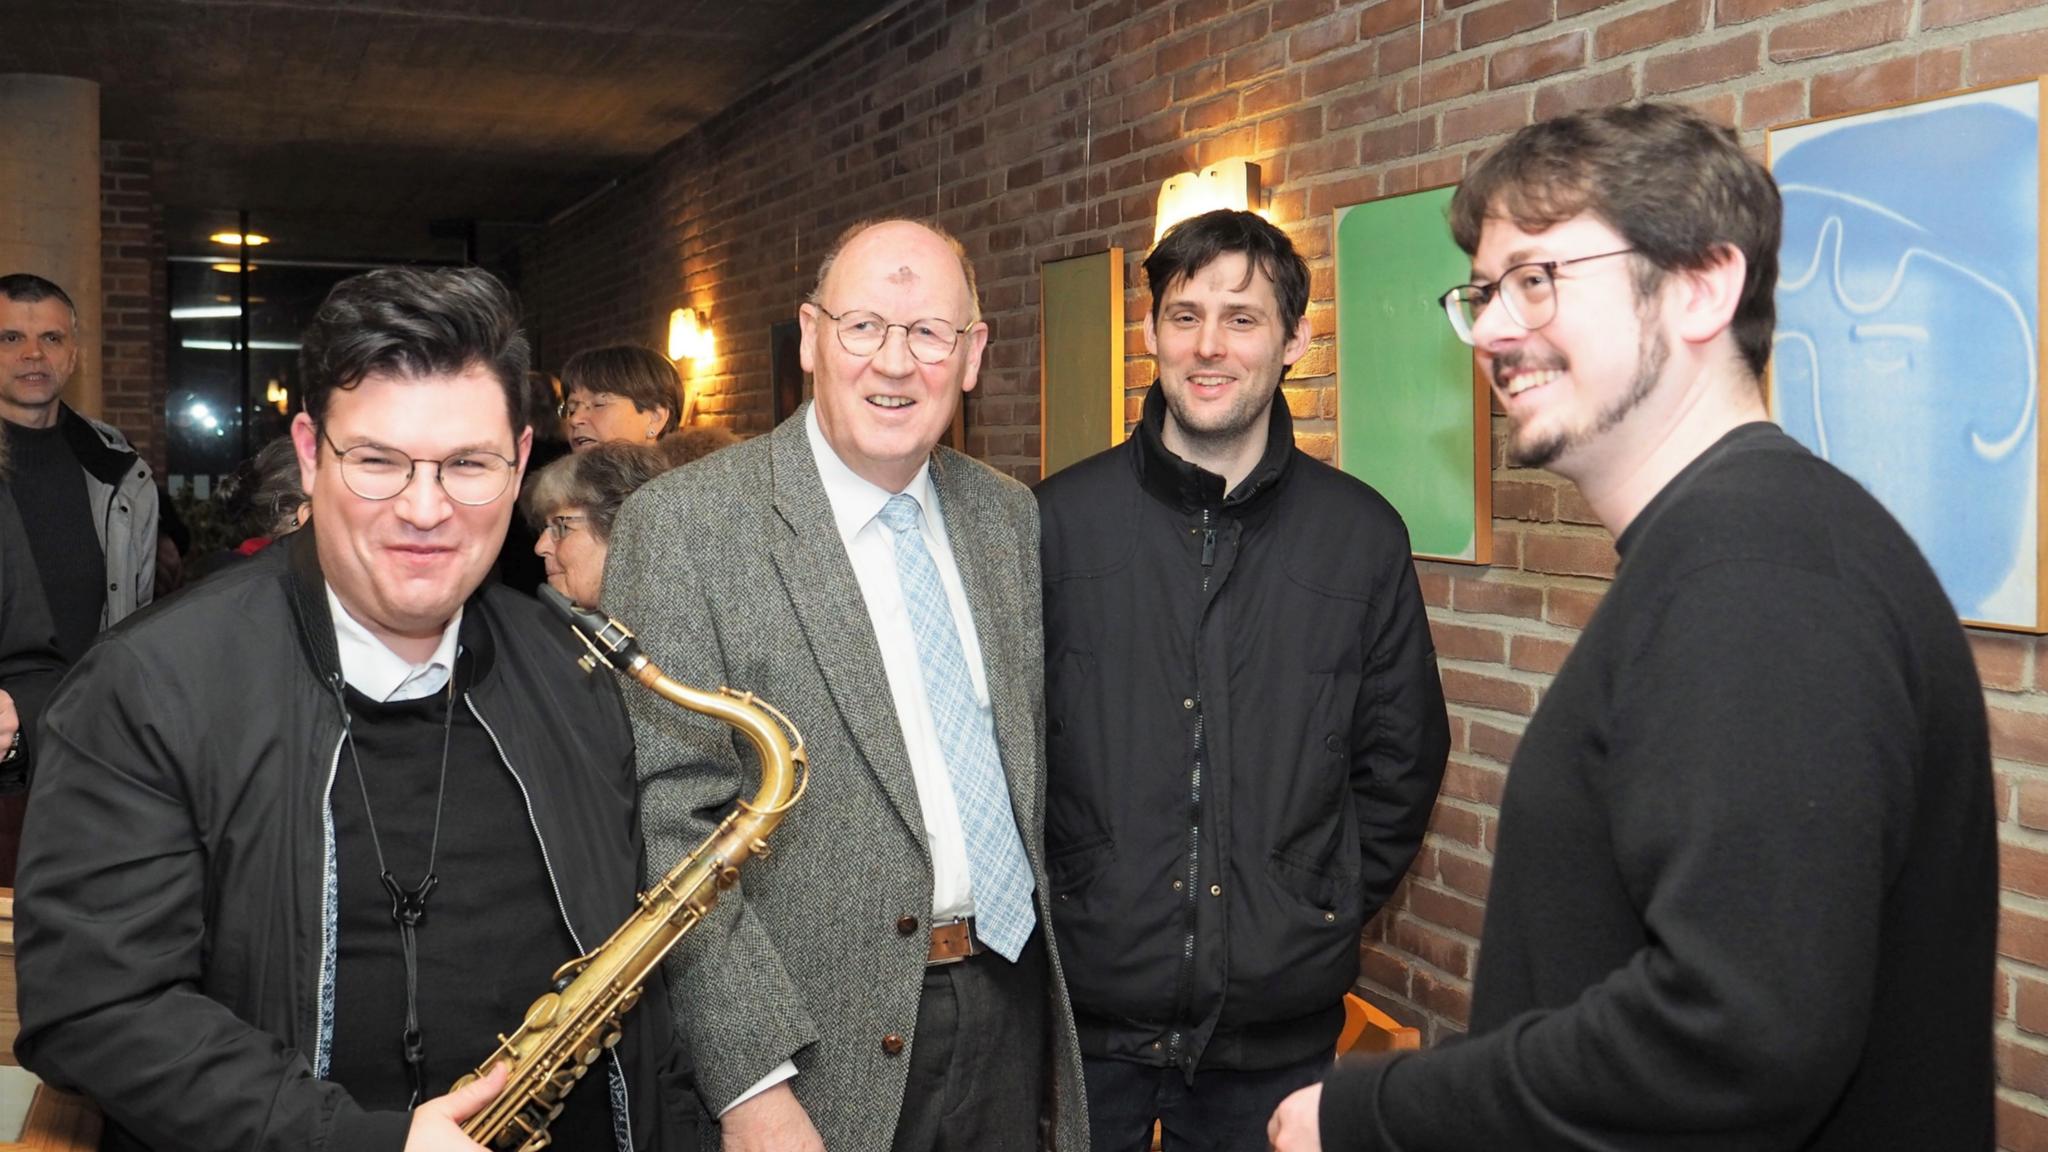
1227,184
276,396
689,337
236,239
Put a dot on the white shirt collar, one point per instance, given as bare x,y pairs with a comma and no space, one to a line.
855,500
381,674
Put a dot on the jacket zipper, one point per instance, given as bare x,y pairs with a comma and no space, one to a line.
323,1041
1176,1038
625,1116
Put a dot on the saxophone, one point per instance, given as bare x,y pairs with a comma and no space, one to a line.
569,1028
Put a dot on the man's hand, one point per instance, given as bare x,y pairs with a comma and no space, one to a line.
437,1124
1294,1126
10,724
770,1122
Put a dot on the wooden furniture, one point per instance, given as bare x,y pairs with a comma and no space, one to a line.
57,1121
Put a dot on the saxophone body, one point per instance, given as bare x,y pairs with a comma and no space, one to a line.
568,1029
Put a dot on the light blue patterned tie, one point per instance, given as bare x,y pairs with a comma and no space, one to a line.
967,738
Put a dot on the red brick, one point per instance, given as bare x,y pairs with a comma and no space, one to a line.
1694,67
2022,1066
1936,14
1432,946
1368,106
1650,27
1272,95
1260,59
1447,909
1383,968
1476,783
1313,40
1598,91
1539,654
2021,736
1397,54
1838,32
1388,16
1507,542
1468,642
2020,1128
1570,8
1452,1001
1465,874
1525,500
1288,13
1869,85
1209,114
1502,20
1773,105
2023,869
2001,660
1483,691
1298,127
1338,71
1572,607
1495,598
1452,81
1492,742
2033,804
2023,936
1570,555
1306,160
1191,12
1435,582
1526,62
2014,56
1728,12
1248,28
1397,142
1457,825
2030,1004
1494,116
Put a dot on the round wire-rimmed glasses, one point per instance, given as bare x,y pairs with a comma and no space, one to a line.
863,333
374,472
1528,290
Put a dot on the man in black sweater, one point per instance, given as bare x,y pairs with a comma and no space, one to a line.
1746,888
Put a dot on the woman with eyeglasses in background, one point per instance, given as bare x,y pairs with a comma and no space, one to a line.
572,503
622,392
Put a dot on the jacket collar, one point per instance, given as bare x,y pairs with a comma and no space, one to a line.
1172,480
105,458
306,589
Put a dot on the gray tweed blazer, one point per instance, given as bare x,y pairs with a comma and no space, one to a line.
732,572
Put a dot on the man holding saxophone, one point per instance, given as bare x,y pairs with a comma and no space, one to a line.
886,979
305,839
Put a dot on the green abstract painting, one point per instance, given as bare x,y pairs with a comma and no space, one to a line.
1412,415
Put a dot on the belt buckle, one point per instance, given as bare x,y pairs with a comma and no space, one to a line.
958,926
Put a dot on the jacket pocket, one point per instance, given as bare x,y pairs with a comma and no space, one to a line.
1073,867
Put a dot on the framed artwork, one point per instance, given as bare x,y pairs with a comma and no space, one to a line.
1413,416
1081,358
786,382
1908,347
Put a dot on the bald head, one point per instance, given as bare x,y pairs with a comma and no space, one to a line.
903,251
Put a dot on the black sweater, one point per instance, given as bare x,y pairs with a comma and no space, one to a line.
1746,890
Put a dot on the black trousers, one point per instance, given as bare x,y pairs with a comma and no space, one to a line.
1225,1110
980,1062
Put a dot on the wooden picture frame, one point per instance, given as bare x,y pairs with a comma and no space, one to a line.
1907,349
1080,358
1414,414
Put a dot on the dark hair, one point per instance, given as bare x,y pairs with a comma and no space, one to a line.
846,237
641,375
23,288
262,497
597,481
1195,243
1676,185
415,322
694,443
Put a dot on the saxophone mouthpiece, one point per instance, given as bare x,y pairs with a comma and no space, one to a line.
607,639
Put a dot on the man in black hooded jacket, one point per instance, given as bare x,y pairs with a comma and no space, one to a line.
1246,730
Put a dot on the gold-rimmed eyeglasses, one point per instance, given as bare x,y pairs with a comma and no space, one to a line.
375,472
559,527
1528,290
930,340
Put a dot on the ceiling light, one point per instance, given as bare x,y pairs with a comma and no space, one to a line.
231,267
232,346
207,312
236,239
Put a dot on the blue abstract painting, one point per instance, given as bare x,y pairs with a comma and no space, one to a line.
1908,343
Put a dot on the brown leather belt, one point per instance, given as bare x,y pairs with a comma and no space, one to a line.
952,942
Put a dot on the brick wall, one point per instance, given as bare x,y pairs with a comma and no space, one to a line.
1038,129
133,312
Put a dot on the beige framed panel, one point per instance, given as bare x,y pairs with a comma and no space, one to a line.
1081,358
1907,350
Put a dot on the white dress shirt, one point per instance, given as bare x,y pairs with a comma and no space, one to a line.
381,674
871,547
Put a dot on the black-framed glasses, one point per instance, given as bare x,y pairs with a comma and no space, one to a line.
374,472
930,340
1528,290
559,527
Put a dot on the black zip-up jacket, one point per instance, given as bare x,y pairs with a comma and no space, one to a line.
1245,737
176,908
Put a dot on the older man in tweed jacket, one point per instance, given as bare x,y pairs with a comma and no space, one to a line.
886,978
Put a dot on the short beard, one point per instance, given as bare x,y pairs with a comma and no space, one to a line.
1225,436
1651,353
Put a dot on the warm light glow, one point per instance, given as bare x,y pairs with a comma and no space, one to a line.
236,239
231,267
207,312
689,338
1229,184
276,396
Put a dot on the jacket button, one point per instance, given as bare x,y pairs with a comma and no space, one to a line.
905,925
1188,703
1215,889
1333,743
892,1045
1176,885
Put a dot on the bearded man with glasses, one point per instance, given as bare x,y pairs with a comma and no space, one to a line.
308,837
1746,888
